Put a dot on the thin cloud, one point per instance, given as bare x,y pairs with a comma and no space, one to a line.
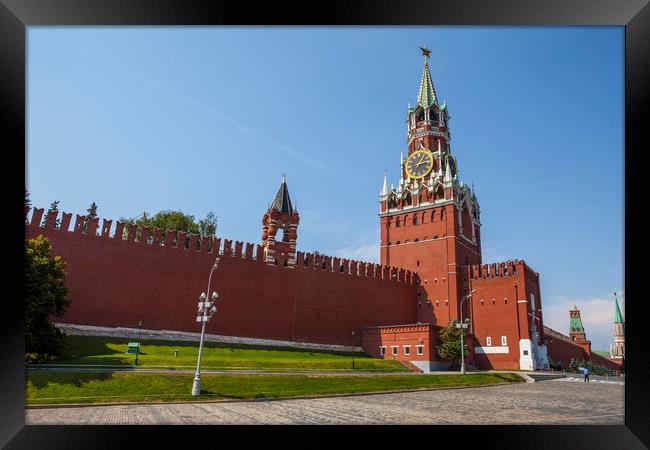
597,316
211,110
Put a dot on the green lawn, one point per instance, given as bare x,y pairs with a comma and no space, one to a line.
88,350
106,387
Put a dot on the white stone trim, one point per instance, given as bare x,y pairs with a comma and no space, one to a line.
502,349
91,330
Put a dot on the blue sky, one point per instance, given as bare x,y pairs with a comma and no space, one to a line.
209,118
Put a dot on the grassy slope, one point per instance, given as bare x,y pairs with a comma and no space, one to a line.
94,387
112,351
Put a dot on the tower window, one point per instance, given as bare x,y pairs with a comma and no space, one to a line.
482,302
417,263
415,220
435,237
505,301
437,303
494,302
397,223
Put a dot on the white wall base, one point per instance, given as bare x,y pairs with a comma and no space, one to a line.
89,330
431,366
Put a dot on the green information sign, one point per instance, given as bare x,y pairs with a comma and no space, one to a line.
132,348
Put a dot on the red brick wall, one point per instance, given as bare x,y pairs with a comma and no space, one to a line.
400,335
434,250
563,349
114,282
501,307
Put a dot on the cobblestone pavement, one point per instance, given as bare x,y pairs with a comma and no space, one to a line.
545,402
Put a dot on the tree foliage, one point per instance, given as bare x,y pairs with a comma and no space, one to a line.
574,366
92,214
450,343
175,221
208,226
54,206
45,295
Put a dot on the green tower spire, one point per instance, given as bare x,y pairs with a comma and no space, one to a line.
427,95
618,318
575,322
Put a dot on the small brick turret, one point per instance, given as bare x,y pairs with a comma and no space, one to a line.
281,216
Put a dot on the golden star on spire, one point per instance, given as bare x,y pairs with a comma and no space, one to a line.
425,52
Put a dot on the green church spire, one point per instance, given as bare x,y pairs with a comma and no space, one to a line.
427,95
618,318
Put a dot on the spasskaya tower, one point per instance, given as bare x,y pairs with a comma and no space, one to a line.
430,223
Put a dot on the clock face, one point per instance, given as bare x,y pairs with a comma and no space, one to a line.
419,164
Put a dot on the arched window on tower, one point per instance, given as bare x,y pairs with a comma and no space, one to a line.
421,116
397,223
415,220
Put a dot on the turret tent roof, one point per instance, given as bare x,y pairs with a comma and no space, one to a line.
282,202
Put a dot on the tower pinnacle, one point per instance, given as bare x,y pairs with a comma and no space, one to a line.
618,317
427,94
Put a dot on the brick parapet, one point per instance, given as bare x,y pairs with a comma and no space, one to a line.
151,237
501,269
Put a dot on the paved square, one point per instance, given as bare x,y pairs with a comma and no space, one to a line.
546,402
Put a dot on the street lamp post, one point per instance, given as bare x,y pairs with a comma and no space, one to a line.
204,316
353,342
462,325
137,350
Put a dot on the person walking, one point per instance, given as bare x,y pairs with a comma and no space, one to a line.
586,372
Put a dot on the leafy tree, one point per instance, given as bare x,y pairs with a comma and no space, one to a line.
450,343
54,206
208,226
174,221
92,214
45,295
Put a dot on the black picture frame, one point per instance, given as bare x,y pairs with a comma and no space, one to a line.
16,15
